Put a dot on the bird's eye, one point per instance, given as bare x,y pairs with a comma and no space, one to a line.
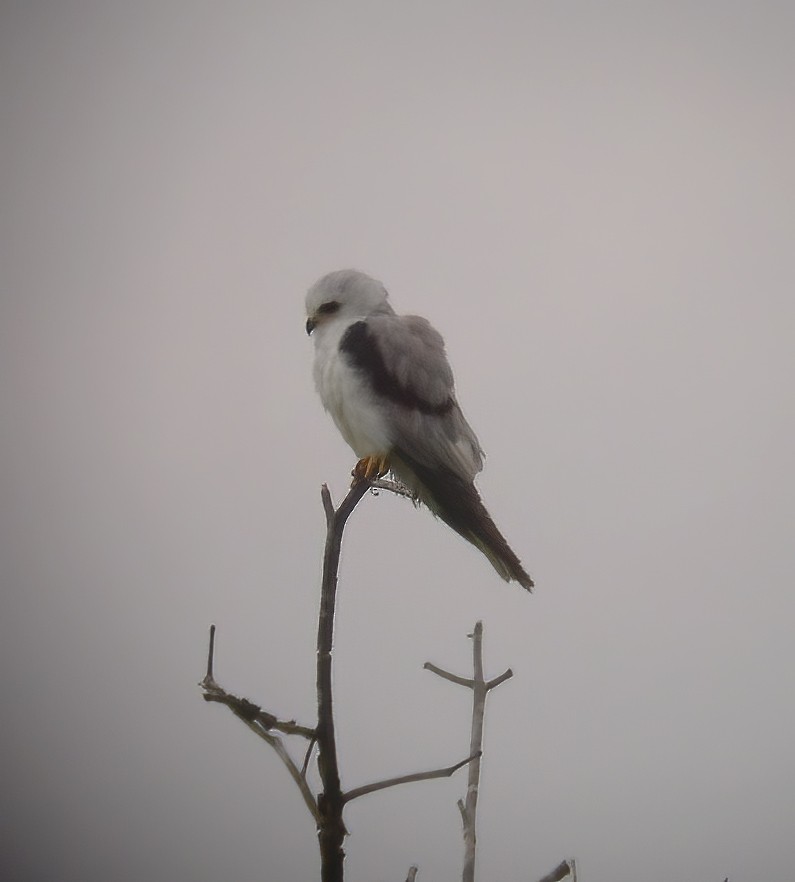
329,307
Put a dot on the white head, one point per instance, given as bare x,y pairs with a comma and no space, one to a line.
344,294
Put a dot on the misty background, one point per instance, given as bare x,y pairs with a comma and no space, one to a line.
594,204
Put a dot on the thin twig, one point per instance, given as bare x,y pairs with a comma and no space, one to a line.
307,757
328,505
396,487
407,779
309,799
281,751
493,684
210,654
446,675
247,710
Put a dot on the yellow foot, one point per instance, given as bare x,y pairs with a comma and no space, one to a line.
371,467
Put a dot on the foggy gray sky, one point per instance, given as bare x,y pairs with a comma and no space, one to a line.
594,205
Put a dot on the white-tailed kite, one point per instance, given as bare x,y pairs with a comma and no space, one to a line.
386,381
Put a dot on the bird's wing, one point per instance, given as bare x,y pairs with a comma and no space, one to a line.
404,361
433,448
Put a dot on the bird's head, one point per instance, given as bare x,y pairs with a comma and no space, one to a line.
344,294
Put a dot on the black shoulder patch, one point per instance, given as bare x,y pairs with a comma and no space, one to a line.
357,343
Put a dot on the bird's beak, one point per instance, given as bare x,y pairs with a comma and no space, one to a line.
310,325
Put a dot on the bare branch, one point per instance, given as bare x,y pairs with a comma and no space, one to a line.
396,487
446,675
307,757
247,710
290,727
327,808
406,779
493,684
276,743
480,689
477,652
208,677
331,828
242,707
560,872
328,505
479,693
260,722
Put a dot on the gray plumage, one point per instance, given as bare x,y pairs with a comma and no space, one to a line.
387,383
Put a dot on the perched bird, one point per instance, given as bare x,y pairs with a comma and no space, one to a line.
386,381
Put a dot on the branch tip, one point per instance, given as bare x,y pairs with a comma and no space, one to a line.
328,505
209,680
506,675
560,872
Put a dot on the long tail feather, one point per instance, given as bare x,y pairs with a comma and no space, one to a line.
458,503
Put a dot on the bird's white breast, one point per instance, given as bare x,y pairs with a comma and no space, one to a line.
347,396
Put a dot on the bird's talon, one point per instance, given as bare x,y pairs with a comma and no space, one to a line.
370,468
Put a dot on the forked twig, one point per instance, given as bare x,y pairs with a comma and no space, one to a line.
480,689
260,722
244,708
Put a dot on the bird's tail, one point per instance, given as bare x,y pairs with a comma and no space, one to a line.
458,503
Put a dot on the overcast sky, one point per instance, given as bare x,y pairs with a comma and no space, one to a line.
595,204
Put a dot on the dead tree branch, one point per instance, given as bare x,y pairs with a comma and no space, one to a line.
331,829
446,675
261,723
560,872
407,779
480,689
244,708
396,487
327,808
